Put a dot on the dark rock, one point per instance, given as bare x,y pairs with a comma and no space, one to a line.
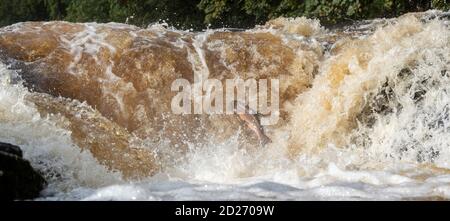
18,180
9,148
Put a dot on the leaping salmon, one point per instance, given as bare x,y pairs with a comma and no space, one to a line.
252,121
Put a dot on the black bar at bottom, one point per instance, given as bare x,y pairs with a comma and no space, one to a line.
222,209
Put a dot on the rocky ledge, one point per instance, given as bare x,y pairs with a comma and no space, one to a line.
18,179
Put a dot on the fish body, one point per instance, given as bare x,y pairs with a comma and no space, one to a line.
252,122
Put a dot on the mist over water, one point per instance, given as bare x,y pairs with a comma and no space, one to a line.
364,110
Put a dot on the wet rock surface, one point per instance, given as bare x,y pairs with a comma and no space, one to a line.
18,179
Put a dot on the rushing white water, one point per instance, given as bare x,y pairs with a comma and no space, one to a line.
372,123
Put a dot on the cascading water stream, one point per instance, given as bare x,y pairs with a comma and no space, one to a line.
364,110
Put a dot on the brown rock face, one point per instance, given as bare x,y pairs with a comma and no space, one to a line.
125,74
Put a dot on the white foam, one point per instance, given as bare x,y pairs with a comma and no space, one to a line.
374,167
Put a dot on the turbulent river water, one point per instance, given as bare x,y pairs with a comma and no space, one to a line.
364,110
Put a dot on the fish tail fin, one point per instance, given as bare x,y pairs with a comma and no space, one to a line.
265,140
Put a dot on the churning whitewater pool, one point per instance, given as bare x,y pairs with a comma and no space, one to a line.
364,110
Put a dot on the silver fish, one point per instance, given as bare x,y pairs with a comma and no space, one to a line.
252,122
